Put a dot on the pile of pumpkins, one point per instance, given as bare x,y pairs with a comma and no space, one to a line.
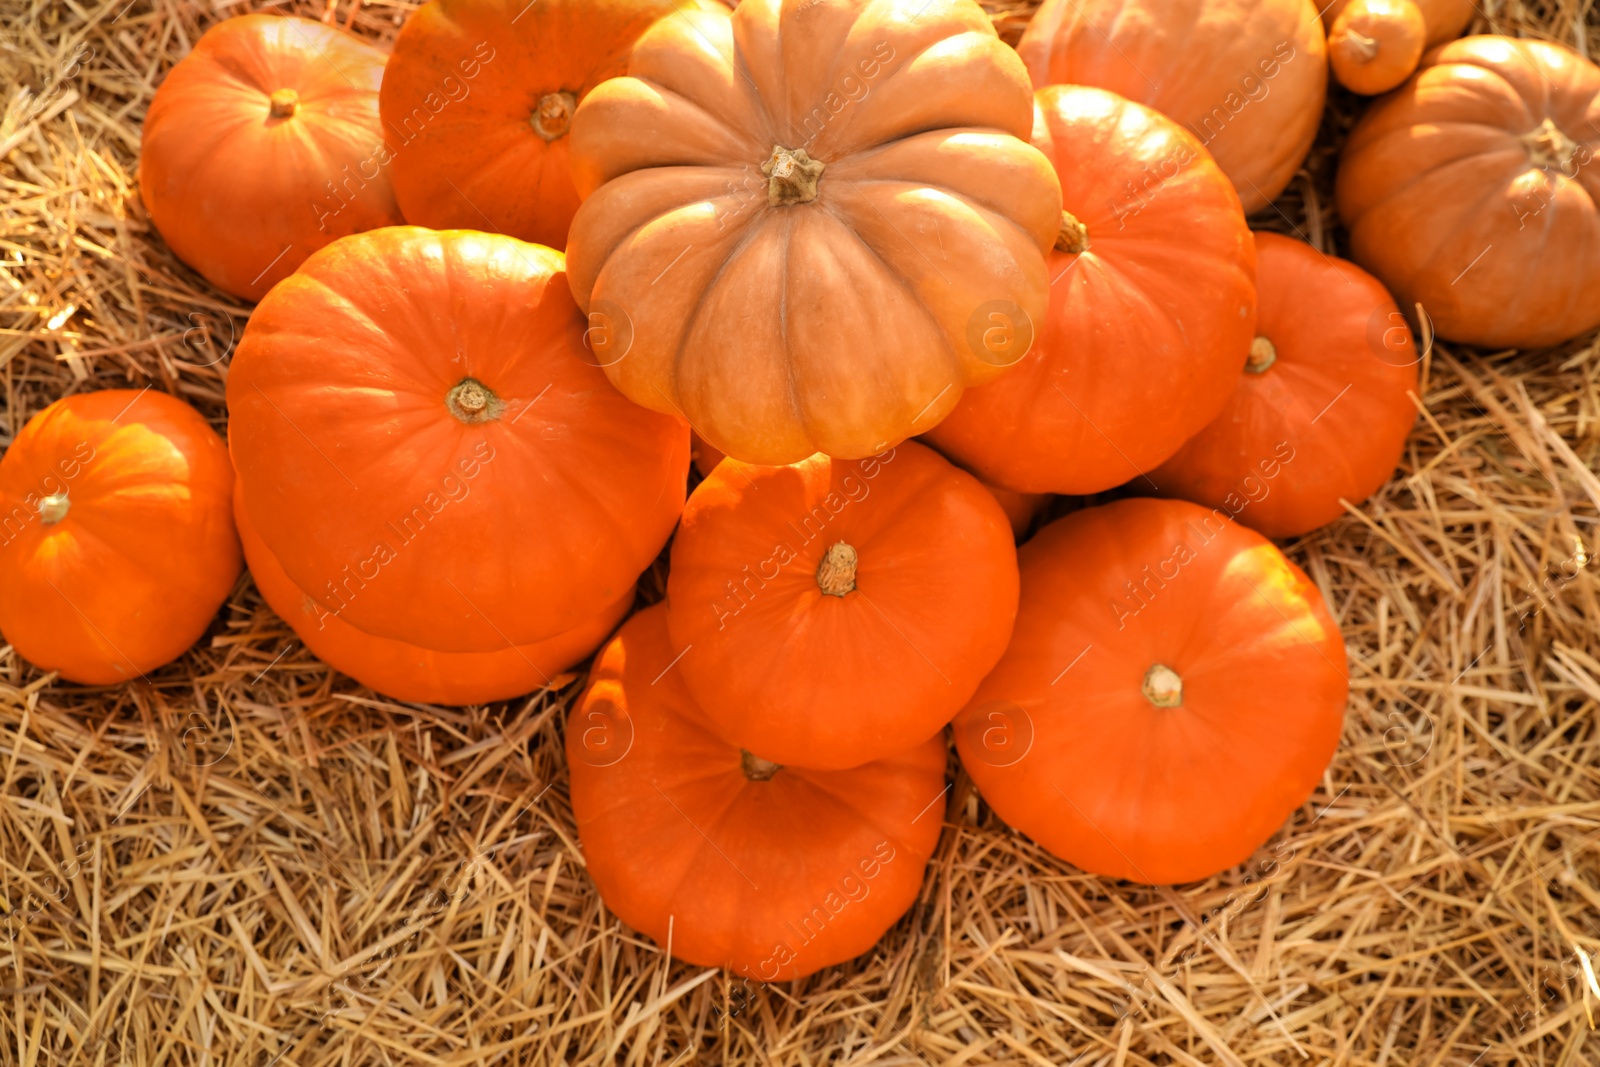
910,282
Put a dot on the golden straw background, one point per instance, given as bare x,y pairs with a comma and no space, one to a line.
255,861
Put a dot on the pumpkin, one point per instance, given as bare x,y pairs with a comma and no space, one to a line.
1246,77
262,145
1321,411
1152,307
835,612
1472,183
116,545
1374,45
1445,19
478,101
809,227
1174,689
1021,508
423,442
407,672
725,859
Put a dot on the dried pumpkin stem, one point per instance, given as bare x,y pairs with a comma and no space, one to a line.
836,574
1549,146
1073,236
1263,354
1367,46
792,176
54,508
553,117
284,103
1163,687
757,769
472,402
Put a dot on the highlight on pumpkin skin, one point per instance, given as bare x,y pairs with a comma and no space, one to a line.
1374,45
117,546
770,870
1173,690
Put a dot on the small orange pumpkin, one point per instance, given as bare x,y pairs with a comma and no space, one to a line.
1322,409
407,672
1374,45
262,145
728,860
1174,690
834,612
1445,19
116,541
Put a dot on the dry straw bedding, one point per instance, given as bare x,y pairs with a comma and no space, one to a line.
252,860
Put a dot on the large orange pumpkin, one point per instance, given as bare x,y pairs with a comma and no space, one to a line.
835,612
1247,77
772,872
478,100
810,226
1174,690
1472,190
116,545
423,446
1152,307
262,145
407,672
1323,407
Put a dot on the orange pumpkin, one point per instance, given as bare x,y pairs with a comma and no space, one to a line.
809,227
835,612
1474,181
1445,19
116,545
1374,45
1021,508
772,872
478,100
262,145
1152,307
1246,77
423,447
1174,690
1323,407
407,672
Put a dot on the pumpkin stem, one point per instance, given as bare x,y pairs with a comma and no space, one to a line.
1163,687
757,769
553,117
1263,354
54,508
1073,236
836,574
792,176
1367,46
1549,146
284,102
471,401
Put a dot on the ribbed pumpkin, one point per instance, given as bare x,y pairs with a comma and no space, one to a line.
1374,45
1323,407
772,872
407,672
1152,307
809,227
423,446
1174,690
116,544
262,145
478,100
1246,77
1471,190
835,612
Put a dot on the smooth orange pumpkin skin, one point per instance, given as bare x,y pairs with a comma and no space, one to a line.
1445,19
1374,45
407,672
841,324
520,527
1328,419
242,196
1061,740
798,676
1246,77
146,553
771,879
1477,179
1146,329
461,94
